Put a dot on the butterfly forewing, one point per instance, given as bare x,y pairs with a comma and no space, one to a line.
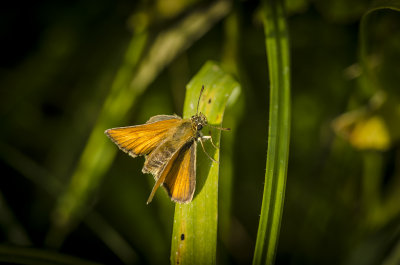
142,139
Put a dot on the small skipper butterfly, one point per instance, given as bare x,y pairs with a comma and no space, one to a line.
169,144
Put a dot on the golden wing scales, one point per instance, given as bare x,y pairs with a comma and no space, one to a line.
169,145
142,139
180,182
179,175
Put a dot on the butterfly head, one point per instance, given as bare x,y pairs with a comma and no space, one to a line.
198,121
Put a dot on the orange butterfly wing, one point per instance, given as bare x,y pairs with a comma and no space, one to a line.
142,139
180,181
179,175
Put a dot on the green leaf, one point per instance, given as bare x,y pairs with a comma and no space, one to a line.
277,45
194,237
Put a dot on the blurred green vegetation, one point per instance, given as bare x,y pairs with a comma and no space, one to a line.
62,61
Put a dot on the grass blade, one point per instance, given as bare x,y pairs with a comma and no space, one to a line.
194,236
277,45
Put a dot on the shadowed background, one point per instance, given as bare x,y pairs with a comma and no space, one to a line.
61,61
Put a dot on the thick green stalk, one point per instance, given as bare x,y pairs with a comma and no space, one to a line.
194,237
277,45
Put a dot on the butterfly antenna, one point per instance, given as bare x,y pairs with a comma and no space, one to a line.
219,128
198,101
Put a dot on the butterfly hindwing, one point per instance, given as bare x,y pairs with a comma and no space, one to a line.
179,175
180,180
162,118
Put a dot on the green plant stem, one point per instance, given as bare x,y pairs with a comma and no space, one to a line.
277,45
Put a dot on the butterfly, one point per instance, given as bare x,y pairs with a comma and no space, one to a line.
169,144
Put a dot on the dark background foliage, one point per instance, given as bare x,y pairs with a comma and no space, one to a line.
58,62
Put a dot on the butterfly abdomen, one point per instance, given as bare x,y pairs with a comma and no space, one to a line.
157,159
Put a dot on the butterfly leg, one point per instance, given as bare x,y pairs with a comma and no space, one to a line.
208,137
200,139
